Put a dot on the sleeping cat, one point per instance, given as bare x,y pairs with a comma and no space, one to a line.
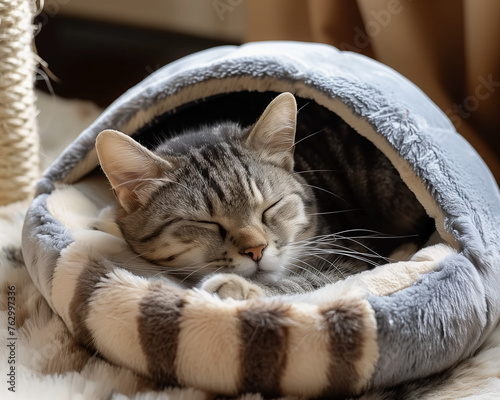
235,211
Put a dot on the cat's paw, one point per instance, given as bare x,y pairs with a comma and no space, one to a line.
231,285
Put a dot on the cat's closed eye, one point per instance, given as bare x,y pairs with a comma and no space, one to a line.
214,224
264,220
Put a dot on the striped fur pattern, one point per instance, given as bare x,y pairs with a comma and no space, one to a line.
222,202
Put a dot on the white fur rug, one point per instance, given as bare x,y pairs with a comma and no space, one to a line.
40,360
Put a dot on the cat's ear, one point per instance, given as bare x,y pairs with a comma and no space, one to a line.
273,136
131,169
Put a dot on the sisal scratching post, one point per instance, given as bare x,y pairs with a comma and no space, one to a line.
19,145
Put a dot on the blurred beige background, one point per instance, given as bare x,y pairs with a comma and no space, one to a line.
449,48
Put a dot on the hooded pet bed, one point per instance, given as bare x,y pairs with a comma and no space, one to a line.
379,328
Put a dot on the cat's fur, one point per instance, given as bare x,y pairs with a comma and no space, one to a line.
222,203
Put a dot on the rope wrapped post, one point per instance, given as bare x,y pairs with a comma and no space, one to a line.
19,142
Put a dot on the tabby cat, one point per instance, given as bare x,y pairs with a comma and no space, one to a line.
236,212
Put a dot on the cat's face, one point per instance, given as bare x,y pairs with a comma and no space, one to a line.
216,200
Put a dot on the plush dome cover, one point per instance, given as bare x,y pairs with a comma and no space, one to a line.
379,328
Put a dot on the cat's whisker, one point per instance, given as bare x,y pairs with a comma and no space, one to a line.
165,270
332,240
334,212
325,190
356,240
328,262
128,262
303,262
206,265
328,248
301,108
318,170
376,234
336,248
298,267
196,271
307,137
301,271
157,270
357,256
346,252
327,245
313,270
315,240
336,241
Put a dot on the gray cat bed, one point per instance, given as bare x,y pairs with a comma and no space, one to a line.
379,328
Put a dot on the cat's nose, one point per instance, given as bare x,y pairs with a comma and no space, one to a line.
255,252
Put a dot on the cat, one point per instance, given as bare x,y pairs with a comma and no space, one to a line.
243,212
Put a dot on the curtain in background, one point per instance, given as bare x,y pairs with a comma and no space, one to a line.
449,48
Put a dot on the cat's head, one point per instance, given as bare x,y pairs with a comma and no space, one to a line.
220,198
